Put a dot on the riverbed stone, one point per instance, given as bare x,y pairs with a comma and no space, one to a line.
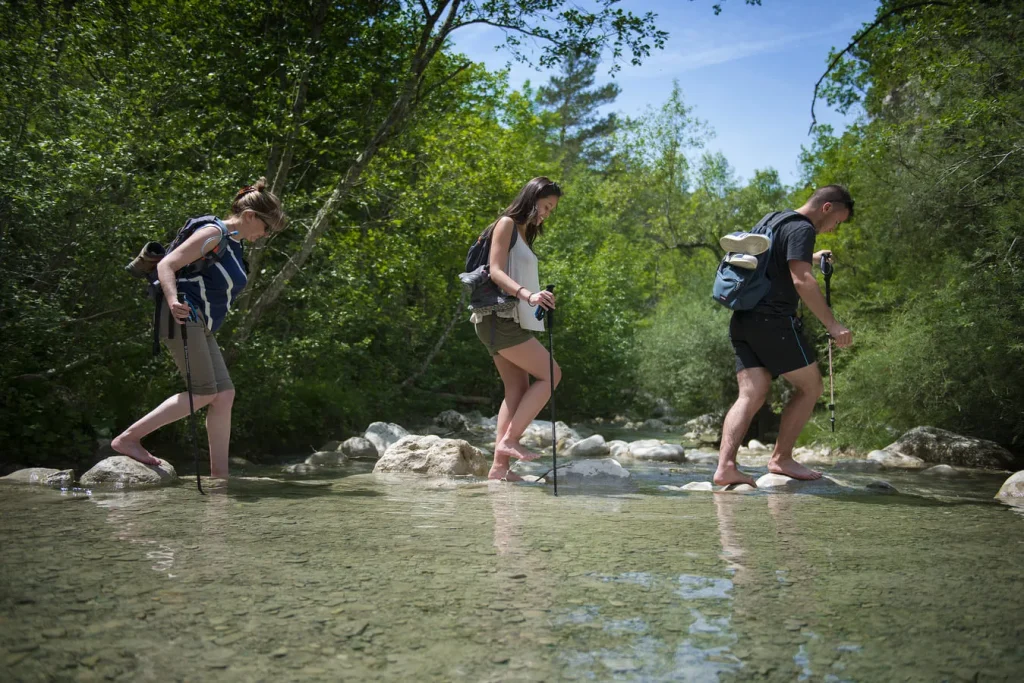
383,434
120,471
452,420
654,425
602,469
433,455
359,448
590,447
782,482
326,458
756,445
1013,487
537,435
617,448
893,460
940,446
331,445
654,449
705,429
940,471
299,468
42,476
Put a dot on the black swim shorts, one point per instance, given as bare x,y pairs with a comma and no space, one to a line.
773,342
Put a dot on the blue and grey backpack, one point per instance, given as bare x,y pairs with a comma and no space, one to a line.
741,289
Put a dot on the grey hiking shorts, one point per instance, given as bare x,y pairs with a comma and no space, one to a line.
209,372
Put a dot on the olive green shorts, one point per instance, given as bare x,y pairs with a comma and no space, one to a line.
206,364
499,333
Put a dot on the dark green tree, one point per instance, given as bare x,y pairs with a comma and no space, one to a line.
583,134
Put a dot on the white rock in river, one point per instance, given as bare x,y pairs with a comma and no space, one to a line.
383,434
326,459
781,481
433,455
590,447
896,460
941,471
124,472
603,469
1013,487
618,448
45,476
653,449
360,449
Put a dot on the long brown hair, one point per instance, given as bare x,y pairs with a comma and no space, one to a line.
523,209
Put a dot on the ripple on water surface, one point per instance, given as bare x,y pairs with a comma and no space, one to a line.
368,578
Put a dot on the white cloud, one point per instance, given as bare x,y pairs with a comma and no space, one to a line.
681,61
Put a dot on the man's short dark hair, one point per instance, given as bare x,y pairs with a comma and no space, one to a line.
835,194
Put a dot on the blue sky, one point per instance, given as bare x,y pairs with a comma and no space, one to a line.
749,72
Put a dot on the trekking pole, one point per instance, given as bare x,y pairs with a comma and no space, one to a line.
191,405
540,314
826,269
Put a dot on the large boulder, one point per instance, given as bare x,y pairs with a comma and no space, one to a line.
359,448
653,449
383,434
947,448
1013,488
590,447
43,476
452,420
433,455
124,472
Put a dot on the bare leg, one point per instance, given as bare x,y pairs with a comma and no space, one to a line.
532,357
754,384
129,442
807,383
218,427
516,381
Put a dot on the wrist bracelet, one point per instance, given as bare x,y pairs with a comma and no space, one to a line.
521,289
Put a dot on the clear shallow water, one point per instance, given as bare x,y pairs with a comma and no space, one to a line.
361,577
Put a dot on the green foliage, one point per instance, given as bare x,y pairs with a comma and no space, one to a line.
686,356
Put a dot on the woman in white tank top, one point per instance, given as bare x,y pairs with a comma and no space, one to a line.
506,331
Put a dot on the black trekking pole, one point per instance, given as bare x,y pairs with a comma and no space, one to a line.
191,405
826,269
540,314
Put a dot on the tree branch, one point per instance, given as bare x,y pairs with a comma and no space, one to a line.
440,342
54,372
859,37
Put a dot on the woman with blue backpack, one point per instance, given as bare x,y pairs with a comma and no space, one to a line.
199,278
503,308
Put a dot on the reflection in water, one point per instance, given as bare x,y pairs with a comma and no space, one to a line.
370,578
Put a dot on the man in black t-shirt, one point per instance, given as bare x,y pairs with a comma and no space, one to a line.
768,340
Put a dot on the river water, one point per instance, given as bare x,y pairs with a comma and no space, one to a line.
355,576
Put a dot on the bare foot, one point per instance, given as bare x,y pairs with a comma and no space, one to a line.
731,475
134,450
503,474
791,468
513,449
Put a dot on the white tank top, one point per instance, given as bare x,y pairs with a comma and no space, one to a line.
523,269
